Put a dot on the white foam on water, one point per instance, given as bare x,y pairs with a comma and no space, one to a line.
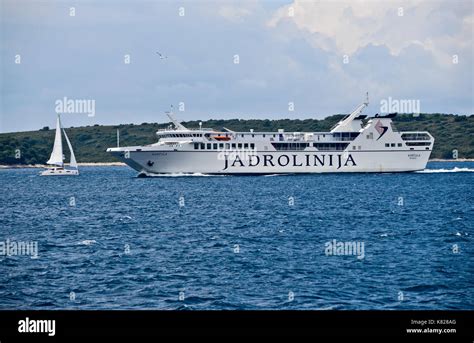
460,234
454,170
179,175
87,242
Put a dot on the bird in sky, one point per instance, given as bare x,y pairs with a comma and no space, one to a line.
162,57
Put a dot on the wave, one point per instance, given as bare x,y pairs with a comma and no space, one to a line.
454,170
87,242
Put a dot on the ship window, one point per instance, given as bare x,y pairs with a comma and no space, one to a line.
242,135
214,146
415,136
233,145
263,136
392,145
418,143
227,145
239,145
399,144
253,136
209,145
252,146
274,135
387,145
354,147
196,146
246,145
203,146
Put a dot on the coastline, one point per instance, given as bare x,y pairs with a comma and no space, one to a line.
121,164
84,164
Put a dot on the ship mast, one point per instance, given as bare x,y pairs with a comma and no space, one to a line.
345,124
178,126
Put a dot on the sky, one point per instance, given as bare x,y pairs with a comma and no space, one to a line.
230,59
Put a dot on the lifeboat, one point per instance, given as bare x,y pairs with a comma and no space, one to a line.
221,138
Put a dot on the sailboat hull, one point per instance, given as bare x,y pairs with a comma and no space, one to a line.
59,172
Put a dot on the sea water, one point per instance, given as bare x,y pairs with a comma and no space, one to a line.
109,240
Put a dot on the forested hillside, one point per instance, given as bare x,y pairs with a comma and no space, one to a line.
90,142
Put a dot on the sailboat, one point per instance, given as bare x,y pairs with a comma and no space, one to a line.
57,158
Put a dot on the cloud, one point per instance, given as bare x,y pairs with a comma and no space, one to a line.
345,26
237,13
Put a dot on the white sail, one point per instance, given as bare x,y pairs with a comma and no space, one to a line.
57,153
73,162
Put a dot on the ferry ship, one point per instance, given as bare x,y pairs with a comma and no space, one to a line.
355,144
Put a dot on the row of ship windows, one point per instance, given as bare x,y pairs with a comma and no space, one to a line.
351,135
302,146
295,146
215,146
181,135
388,145
277,146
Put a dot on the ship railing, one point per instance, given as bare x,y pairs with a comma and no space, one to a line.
174,130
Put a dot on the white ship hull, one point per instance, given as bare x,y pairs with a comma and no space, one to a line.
192,162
